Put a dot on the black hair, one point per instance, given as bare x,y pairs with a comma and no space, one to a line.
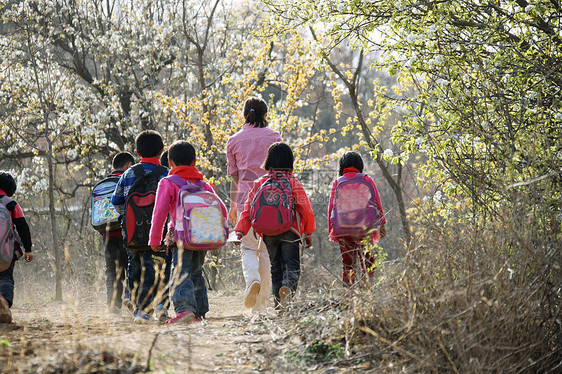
149,143
7,183
351,159
164,159
181,153
121,159
254,112
279,157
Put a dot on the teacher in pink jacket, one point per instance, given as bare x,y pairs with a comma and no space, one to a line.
246,151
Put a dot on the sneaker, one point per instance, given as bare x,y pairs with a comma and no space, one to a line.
252,294
182,317
5,312
284,294
161,313
6,316
199,319
141,317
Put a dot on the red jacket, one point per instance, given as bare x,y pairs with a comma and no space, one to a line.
303,220
350,173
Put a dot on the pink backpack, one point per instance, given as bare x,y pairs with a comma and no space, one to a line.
271,210
355,212
8,237
200,223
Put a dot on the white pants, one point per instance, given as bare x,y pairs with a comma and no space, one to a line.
256,266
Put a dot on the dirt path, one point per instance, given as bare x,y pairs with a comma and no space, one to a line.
55,337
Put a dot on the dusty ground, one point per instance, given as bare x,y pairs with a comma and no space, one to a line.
51,337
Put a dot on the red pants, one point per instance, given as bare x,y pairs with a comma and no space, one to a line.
353,254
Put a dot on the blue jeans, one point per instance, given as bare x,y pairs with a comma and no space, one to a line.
7,284
189,291
115,267
142,279
284,254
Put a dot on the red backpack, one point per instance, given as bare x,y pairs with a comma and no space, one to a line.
139,206
271,210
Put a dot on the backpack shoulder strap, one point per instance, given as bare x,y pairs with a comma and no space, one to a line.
8,202
138,170
158,171
177,180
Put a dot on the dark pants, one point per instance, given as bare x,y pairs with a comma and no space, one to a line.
284,254
163,277
7,284
142,279
115,267
189,291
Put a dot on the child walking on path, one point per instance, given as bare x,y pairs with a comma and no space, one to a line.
246,151
352,247
283,248
188,288
140,269
7,189
116,257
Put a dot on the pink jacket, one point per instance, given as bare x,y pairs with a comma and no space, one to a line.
350,173
166,200
246,150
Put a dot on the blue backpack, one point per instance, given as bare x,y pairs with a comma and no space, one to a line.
103,216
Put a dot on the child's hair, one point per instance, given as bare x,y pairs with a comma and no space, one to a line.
164,159
255,110
279,157
181,153
121,159
351,159
149,143
7,183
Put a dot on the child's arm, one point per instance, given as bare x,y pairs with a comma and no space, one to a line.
378,203
381,232
162,206
118,197
22,229
303,207
244,224
330,208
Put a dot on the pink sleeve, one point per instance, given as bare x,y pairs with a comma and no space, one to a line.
162,207
330,208
232,168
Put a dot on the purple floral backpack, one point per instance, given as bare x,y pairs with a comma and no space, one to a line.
200,224
355,212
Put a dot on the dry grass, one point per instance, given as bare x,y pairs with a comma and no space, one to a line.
460,302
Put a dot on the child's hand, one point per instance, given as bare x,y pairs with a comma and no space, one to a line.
155,248
233,215
28,256
382,231
238,238
308,241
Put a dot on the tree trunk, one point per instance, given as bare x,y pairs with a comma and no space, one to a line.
54,229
